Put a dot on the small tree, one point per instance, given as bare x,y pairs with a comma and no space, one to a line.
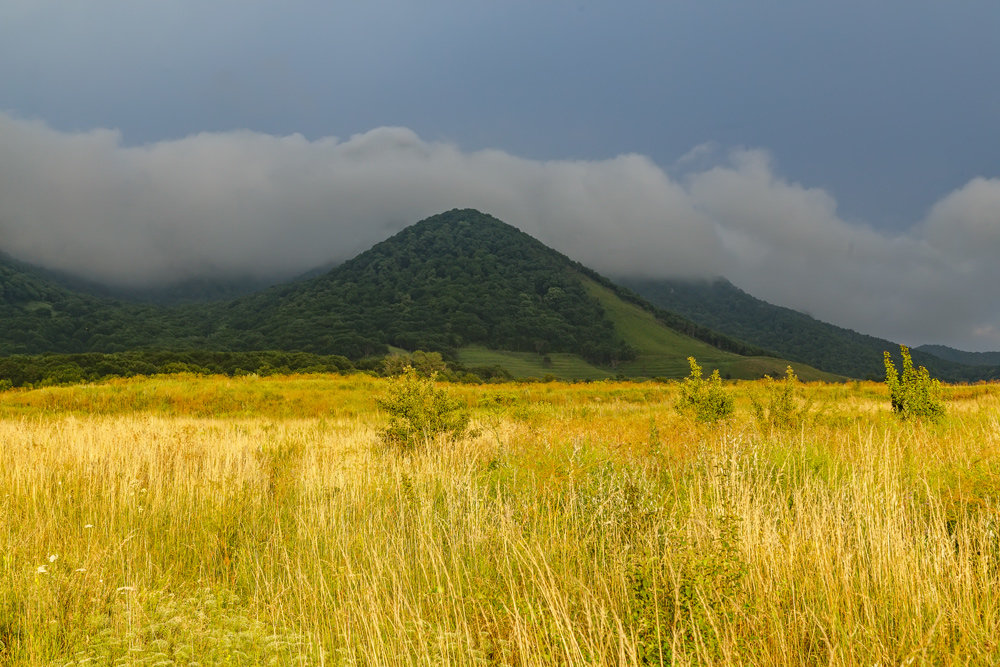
784,407
419,411
914,393
705,400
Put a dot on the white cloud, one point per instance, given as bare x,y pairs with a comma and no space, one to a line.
965,225
248,203
243,202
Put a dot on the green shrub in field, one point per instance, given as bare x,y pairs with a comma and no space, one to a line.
419,411
705,400
782,407
914,393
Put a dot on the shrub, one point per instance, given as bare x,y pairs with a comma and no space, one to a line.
784,407
419,411
705,400
914,393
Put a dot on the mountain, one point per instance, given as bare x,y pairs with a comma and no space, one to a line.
451,280
478,289
195,290
961,357
720,305
462,283
39,315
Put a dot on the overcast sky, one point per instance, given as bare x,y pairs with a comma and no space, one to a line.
839,158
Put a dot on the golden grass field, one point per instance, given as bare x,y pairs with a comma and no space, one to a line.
189,520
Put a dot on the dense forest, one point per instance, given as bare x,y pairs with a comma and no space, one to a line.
454,279
49,369
960,356
38,316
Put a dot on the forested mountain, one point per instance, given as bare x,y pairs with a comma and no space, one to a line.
720,305
459,282
195,290
451,280
456,279
38,315
469,286
961,357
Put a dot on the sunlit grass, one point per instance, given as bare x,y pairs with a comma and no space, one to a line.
259,520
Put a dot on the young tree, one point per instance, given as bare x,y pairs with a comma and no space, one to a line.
914,393
419,412
705,400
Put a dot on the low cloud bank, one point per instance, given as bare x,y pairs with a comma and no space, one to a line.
249,204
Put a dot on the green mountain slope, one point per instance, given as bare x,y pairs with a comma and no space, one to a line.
38,315
663,351
961,357
462,283
456,279
723,307
469,285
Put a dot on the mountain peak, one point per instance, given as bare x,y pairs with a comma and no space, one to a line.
457,278
461,231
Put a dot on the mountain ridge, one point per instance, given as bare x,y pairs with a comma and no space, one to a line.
492,283
462,283
460,280
722,306
961,356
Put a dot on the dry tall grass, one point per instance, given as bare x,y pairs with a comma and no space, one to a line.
183,520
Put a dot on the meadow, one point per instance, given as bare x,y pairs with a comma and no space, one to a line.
210,520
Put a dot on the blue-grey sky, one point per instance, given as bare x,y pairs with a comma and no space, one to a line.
839,158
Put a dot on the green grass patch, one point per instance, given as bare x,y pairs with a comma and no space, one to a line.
663,352
531,365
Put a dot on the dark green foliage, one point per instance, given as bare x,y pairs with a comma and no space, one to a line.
705,400
419,412
454,279
37,316
913,394
796,336
51,369
959,356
